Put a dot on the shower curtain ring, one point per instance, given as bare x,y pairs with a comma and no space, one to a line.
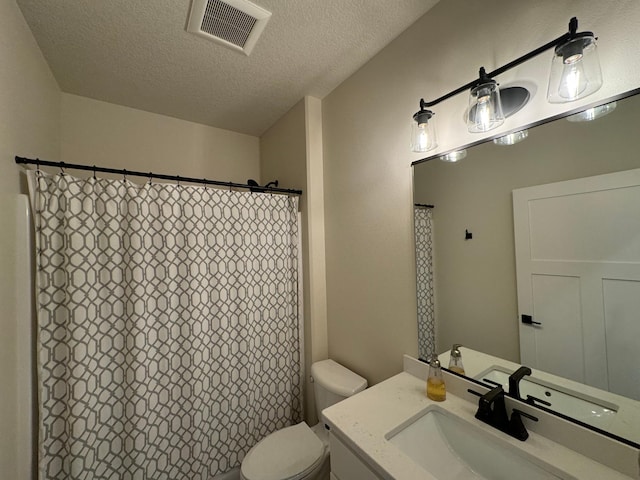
94,172
62,168
150,177
178,179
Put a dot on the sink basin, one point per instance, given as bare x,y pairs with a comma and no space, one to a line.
591,411
451,448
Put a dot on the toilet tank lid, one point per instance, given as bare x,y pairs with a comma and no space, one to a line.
337,379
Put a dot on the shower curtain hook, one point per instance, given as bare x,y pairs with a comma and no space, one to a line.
178,179
62,169
124,175
94,172
150,177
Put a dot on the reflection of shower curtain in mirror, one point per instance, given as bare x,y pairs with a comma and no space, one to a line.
423,224
168,326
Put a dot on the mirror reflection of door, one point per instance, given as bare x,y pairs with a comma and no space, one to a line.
578,275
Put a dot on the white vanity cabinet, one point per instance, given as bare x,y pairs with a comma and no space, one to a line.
372,435
346,465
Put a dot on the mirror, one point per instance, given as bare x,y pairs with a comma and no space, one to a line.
474,256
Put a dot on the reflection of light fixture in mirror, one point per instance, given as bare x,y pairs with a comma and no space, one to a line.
593,113
423,132
512,138
575,68
453,157
485,106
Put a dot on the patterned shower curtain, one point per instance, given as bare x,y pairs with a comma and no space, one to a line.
423,225
169,338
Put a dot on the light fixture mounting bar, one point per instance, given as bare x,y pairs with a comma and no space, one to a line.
573,27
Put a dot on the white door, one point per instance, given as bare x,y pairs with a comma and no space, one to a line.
578,272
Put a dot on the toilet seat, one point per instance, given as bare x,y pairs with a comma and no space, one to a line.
288,454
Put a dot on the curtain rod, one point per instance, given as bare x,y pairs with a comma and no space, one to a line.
151,175
423,205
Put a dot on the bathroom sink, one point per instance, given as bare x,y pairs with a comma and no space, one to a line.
451,448
591,411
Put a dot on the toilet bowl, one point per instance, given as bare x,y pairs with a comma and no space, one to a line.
300,452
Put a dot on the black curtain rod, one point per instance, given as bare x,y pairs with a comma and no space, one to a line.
423,205
151,175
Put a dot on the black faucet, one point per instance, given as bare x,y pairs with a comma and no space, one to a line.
514,381
493,411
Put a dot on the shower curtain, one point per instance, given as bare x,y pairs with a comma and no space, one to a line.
423,229
169,334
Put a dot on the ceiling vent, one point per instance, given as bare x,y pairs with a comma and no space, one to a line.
236,24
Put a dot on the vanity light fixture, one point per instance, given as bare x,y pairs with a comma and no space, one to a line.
575,68
593,113
453,157
575,74
511,138
423,131
485,106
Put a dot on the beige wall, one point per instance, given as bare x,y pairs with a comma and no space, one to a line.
29,100
29,120
368,194
476,279
104,134
291,152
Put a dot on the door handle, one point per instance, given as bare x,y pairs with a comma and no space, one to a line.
528,320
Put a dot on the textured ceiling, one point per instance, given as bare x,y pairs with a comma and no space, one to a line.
137,53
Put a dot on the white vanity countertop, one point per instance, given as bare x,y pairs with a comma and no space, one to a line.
363,420
624,423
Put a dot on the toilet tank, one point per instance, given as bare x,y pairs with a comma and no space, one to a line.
332,383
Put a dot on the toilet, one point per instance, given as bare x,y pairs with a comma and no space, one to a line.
300,452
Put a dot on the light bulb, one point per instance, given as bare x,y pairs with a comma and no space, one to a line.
574,80
423,134
575,70
422,141
485,108
483,113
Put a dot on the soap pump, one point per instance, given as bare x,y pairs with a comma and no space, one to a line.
455,359
436,389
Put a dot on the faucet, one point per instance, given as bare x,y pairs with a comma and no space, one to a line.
493,411
514,381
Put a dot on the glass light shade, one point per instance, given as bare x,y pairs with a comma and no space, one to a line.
423,132
593,113
575,70
453,157
512,138
485,108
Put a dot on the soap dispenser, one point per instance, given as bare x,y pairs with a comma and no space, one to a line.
436,389
455,359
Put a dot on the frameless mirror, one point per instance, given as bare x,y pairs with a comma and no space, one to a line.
528,239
